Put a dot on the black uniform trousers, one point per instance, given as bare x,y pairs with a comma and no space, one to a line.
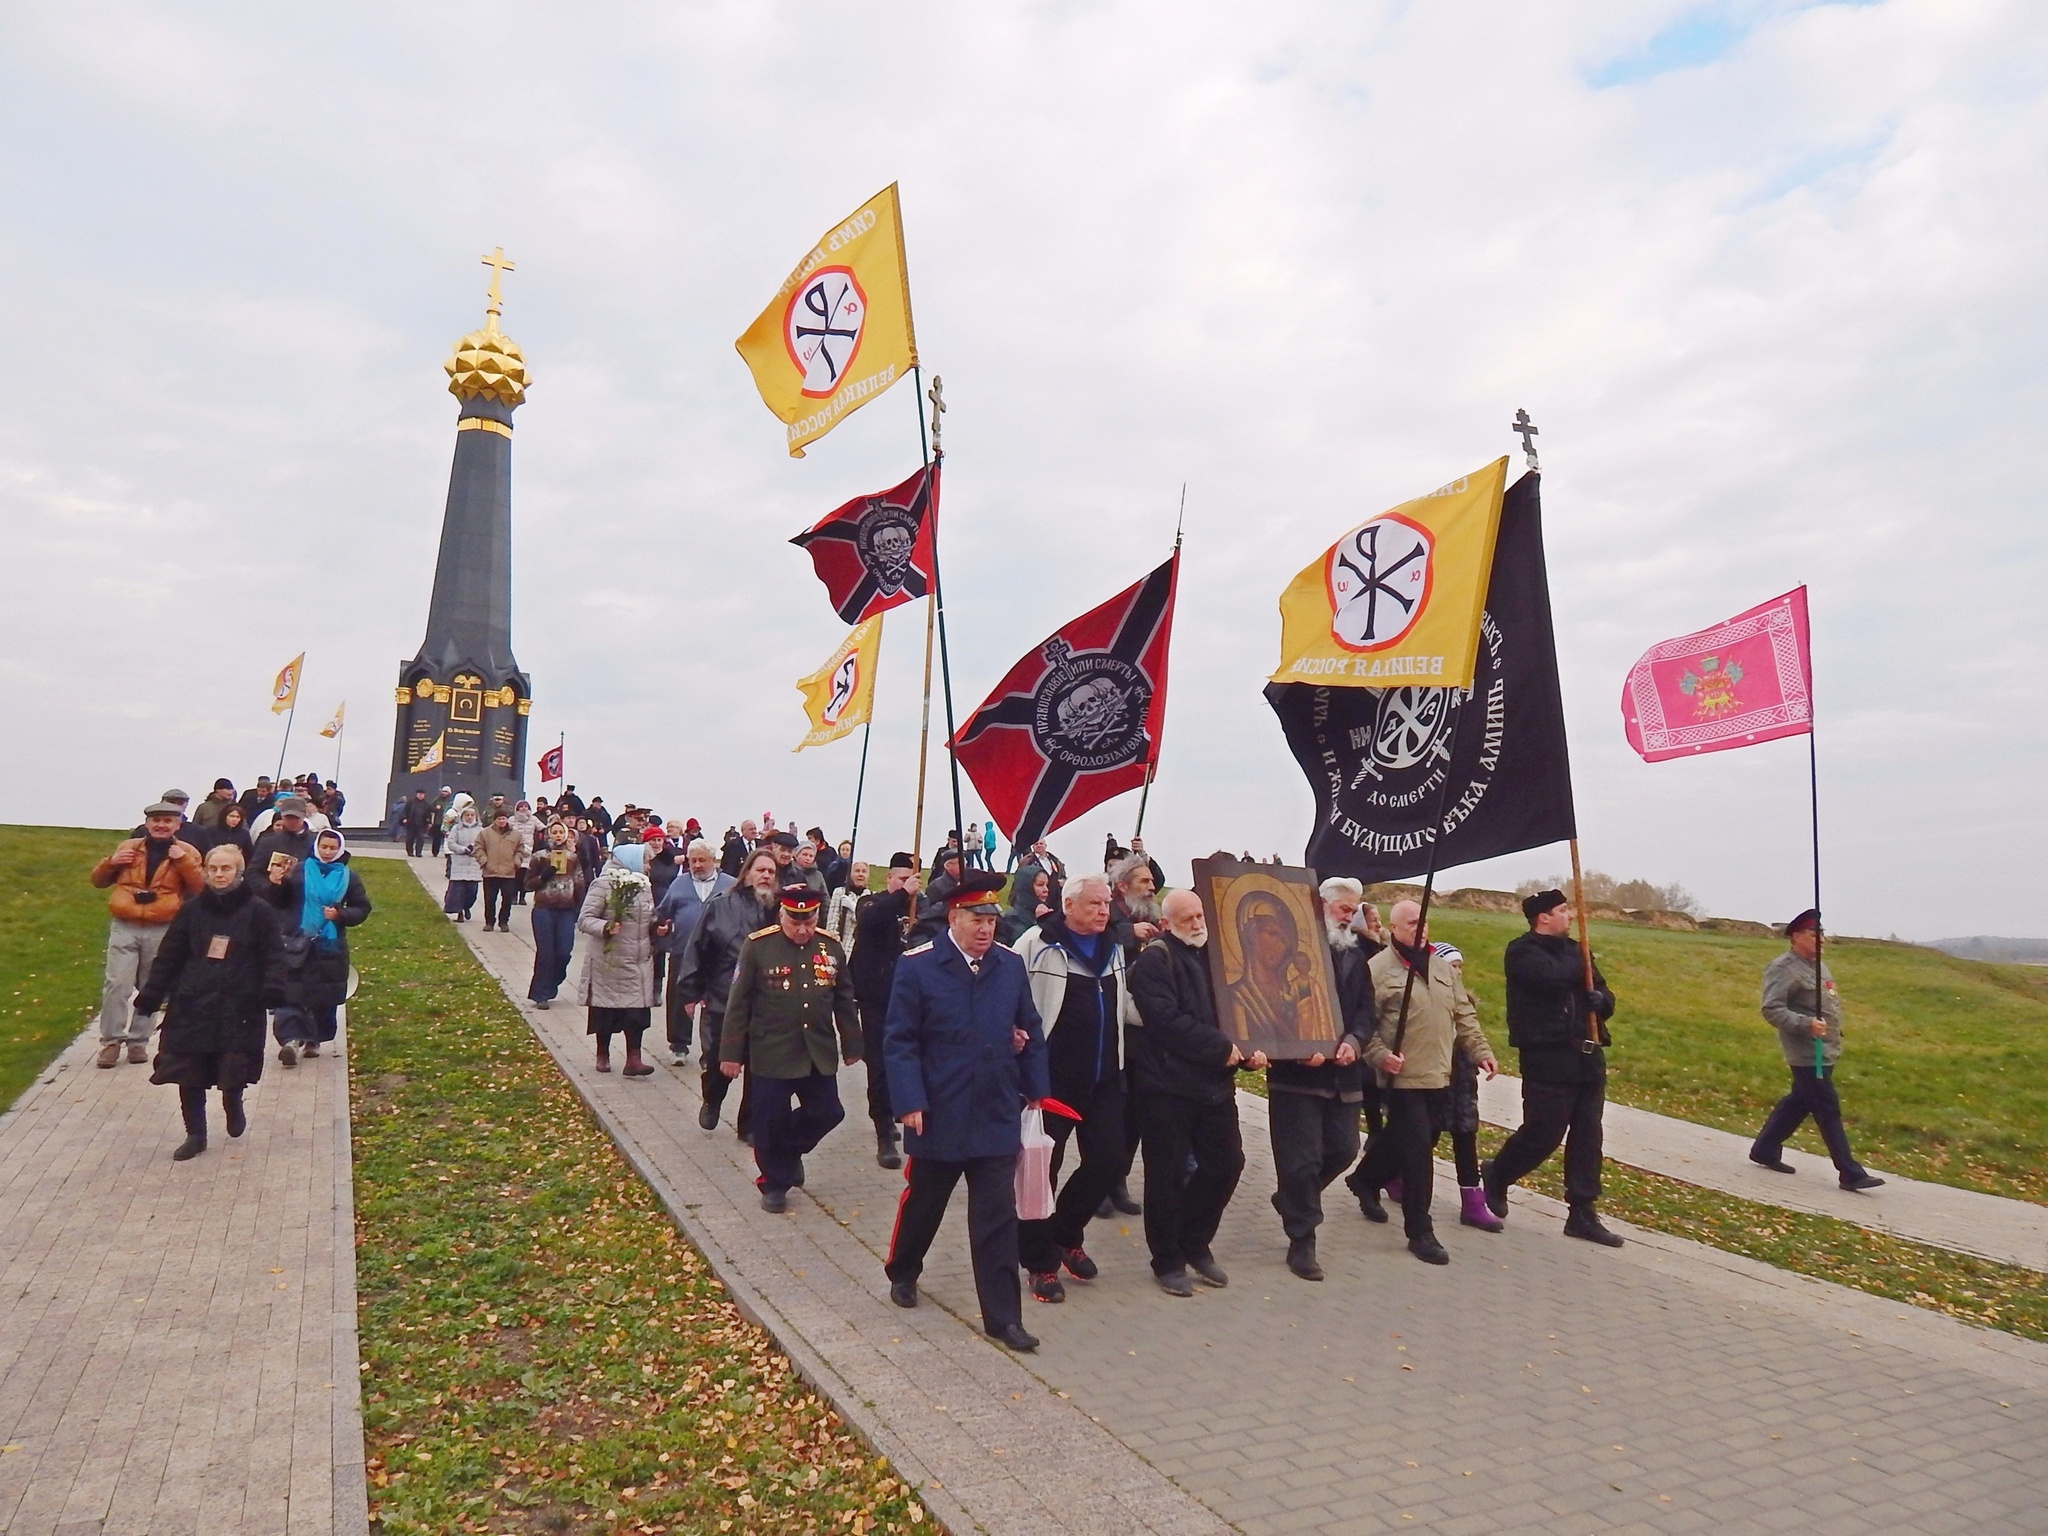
1105,1150
1314,1140
1553,1113
991,1229
1183,1209
716,1084
1812,1095
415,840
791,1116
1402,1151
873,1015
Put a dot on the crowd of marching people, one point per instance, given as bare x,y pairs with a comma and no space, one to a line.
1076,1010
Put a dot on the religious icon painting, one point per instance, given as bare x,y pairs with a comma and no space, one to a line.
1276,990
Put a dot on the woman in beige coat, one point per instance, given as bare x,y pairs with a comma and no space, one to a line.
618,964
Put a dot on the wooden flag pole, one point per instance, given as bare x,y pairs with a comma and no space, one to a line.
1592,1041
285,745
1436,832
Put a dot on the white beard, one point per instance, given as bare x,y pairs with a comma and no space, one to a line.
1199,941
1341,937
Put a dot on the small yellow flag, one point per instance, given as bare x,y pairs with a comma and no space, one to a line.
838,332
841,694
333,727
434,756
284,693
1396,602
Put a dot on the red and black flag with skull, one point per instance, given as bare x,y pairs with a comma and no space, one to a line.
1078,719
875,552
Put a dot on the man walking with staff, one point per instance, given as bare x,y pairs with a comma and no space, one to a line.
1809,1024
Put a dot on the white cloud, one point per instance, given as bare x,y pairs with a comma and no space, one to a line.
1773,296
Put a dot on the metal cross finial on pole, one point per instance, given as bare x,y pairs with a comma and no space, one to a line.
937,395
499,267
1528,429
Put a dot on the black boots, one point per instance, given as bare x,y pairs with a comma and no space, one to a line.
231,1101
886,1155
1584,1223
1426,1248
1301,1258
192,1107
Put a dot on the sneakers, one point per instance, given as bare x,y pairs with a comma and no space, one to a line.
110,1055
1078,1264
1862,1181
1301,1258
1584,1223
1175,1283
1047,1287
312,1049
1208,1271
287,1056
1428,1249
138,1054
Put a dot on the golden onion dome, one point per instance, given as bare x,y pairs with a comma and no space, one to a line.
488,364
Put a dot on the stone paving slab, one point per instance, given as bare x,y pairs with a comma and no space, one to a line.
178,1340
1965,1220
1537,1384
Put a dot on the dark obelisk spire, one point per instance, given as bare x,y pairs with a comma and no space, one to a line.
462,701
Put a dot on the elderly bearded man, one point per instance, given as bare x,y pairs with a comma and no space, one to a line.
965,1055
1414,1055
789,994
1185,1095
1312,1108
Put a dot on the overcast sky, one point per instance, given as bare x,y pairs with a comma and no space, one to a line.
1769,276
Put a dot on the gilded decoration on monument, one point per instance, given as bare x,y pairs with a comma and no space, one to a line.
488,364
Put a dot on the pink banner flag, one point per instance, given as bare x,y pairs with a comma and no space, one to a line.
1741,682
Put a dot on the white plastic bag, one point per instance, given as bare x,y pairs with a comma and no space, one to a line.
1034,1169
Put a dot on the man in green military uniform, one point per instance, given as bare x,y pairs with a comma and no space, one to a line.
790,992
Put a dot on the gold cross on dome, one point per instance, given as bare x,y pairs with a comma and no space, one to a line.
499,267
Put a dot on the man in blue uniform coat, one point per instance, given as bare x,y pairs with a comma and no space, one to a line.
965,1053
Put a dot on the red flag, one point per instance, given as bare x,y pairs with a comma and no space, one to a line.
875,553
1747,680
550,764
1078,719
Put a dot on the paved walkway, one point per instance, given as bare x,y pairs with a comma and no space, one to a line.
177,1340
1535,1385
1989,1226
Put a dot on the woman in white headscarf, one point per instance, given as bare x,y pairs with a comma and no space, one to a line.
465,874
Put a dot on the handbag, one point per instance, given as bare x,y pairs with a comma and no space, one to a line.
1034,1169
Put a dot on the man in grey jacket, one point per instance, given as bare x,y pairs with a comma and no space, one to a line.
1809,1025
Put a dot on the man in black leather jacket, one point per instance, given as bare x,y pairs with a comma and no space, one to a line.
1560,1028
880,922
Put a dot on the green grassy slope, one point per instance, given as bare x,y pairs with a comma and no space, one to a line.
53,945
1945,1076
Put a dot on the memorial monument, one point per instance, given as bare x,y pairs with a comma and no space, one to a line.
462,701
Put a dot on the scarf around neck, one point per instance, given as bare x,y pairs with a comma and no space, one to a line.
326,885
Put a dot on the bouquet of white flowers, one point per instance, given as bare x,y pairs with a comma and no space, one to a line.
618,902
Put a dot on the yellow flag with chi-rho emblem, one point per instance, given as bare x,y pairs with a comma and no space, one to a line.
838,332
841,694
284,693
1396,602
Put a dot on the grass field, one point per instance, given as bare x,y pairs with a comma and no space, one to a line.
53,945
543,1351
1945,1074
